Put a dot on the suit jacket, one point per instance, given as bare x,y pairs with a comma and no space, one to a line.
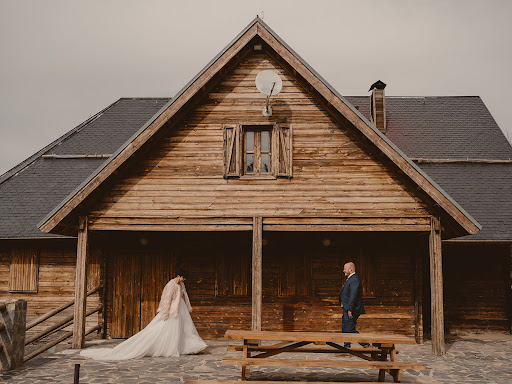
351,296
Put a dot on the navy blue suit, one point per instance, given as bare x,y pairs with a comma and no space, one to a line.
351,299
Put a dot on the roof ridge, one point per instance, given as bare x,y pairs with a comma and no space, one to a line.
27,162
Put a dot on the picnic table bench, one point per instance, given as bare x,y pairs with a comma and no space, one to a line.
375,357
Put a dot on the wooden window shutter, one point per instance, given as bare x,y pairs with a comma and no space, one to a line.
232,150
24,270
284,151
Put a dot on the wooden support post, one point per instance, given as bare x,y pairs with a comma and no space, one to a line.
509,288
436,288
418,297
257,295
80,284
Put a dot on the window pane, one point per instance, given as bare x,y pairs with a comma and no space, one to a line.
249,139
265,141
249,164
265,163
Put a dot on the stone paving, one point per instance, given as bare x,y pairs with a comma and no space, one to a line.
469,359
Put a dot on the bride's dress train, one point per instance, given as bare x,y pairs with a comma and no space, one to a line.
172,337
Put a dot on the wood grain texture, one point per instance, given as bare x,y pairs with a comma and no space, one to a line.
264,382
480,272
318,336
436,289
330,99
257,278
202,81
183,176
24,270
324,363
390,310
80,285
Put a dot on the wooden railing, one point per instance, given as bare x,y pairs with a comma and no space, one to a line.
67,321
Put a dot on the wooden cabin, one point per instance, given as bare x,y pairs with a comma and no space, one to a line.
263,211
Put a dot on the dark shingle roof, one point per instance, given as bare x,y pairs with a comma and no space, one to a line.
485,190
429,127
33,188
457,127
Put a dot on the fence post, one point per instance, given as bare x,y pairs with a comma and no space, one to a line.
12,337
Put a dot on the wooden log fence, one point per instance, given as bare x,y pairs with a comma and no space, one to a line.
67,321
58,310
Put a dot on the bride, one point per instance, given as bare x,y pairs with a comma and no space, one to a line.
170,333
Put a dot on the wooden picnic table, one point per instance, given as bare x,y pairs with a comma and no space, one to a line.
374,357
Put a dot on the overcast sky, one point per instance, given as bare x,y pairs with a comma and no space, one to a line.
63,61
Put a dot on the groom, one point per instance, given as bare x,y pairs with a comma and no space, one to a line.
351,300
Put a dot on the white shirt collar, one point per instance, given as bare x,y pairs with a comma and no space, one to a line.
349,276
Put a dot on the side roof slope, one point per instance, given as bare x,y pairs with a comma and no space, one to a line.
456,128
34,187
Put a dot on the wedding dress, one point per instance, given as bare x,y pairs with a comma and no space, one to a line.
170,333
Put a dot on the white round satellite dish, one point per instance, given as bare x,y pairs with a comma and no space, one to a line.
269,83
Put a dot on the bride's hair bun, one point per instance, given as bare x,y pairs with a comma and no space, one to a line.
181,272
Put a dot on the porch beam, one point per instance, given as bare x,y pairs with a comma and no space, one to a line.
257,240
80,284
436,288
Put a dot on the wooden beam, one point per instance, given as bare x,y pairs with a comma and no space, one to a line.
418,296
331,99
436,288
509,284
257,240
201,81
80,284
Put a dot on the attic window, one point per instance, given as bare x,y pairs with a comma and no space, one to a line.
257,151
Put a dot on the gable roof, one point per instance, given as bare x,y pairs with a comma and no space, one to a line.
332,98
482,189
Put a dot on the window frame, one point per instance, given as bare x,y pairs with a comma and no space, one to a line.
257,152
280,151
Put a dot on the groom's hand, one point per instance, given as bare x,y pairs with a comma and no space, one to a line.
350,315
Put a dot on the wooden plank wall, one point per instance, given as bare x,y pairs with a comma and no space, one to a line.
391,310
476,295
56,283
183,175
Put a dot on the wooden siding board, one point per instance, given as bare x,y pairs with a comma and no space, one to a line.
56,283
475,290
390,310
332,173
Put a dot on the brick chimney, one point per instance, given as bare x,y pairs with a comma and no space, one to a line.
378,105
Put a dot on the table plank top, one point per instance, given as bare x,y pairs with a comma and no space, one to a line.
238,334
